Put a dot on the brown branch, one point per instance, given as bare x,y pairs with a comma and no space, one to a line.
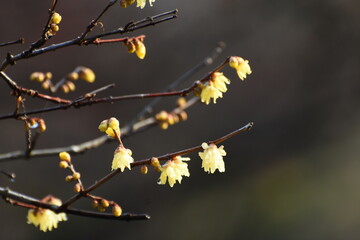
109,176
31,92
127,131
30,202
132,26
98,41
110,99
205,62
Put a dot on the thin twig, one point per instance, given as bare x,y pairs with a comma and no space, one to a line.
109,176
127,131
110,99
94,22
205,62
9,195
31,92
21,41
78,41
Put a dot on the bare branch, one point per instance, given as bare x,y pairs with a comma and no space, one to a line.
132,26
21,41
109,176
9,195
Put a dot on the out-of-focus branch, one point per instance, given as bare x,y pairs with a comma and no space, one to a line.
110,99
205,62
94,22
127,131
31,92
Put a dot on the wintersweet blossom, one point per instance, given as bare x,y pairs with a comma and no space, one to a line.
173,170
110,126
242,66
212,158
122,159
210,91
142,3
46,219
220,81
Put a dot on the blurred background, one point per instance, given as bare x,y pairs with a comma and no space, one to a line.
295,175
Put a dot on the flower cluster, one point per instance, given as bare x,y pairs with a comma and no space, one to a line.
173,170
46,219
54,25
214,88
111,127
212,158
242,66
122,156
136,45
66,84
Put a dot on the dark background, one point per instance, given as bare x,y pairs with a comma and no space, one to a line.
294,176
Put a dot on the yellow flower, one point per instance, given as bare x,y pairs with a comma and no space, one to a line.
110,126
122,159
212,158
142,3
220,81
173,170
210,91
242,66
46,219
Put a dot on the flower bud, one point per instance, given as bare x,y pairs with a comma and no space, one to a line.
162,116
103,125
86,74
234,62
101,208
183,116
181,102
144,169
54,27
46,84
70,85
65,88
76,175
73,76
114,123
56,18
95,203
140,49
63,164
37,76
117,211
105,203
77,187
123,4
65,156
42,126
131,47
69,178
155,162
48,75
171,120
164,125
